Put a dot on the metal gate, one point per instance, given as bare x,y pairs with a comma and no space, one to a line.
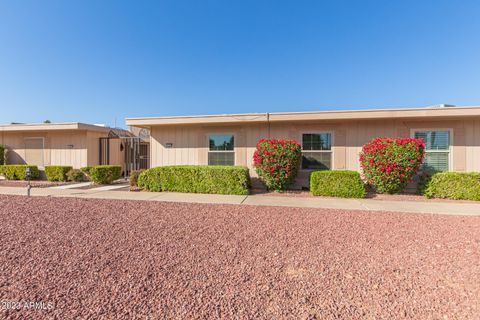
144,156
136,153
104,151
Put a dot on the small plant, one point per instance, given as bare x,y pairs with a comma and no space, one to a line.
87,172
75,175
105,174
337,183
133,179
57,173
453,185
18,171
277,162
389,164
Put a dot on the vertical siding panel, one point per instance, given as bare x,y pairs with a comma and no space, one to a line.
469,142
153,148
476,147
351,143
180,143
459,150
202,152
176,154
176,142
160,145
193,149
157,152
163,140
186,159
163,153
171,152
167,152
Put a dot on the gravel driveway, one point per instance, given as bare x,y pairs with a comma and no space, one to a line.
79,258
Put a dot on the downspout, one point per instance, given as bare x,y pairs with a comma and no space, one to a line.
268,124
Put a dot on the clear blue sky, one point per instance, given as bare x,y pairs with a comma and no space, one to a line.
94,61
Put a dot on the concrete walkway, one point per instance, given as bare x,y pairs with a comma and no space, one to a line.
450,208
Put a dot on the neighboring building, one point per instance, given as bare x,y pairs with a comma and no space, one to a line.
330,140
73,144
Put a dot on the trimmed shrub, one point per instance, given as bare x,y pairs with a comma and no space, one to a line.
388,164
17,171
337,183
2,154
277,162
453,185
105,174
133,179
197,179
57,173
75,175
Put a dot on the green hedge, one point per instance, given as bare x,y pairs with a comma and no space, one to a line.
197,179
337,183
2,154
17,171
453,185
105,174
57,173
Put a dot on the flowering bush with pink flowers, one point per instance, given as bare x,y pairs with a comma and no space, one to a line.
388,164
277,162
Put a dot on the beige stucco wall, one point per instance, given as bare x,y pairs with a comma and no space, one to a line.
117,156
190,142
60,147
78,148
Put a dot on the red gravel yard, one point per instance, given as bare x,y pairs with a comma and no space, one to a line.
81,258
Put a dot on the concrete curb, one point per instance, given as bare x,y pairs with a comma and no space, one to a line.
444,208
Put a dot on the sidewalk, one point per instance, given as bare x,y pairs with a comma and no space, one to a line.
450,208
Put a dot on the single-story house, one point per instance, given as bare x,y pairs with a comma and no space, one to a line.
329,139
71,144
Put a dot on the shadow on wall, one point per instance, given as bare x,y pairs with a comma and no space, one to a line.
12,157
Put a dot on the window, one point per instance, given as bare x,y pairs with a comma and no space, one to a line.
221,150
437,149
316,151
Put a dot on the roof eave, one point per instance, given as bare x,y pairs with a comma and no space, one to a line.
52,127
374,114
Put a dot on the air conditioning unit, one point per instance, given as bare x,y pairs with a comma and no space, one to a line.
443,106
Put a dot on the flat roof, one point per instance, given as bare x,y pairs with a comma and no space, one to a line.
52,127
406,113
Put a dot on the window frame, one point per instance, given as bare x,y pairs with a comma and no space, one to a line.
450,143
332,143
226,151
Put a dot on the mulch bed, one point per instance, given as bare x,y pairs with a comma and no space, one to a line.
115,259
370,195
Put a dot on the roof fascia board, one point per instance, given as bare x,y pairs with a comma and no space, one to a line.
308,116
